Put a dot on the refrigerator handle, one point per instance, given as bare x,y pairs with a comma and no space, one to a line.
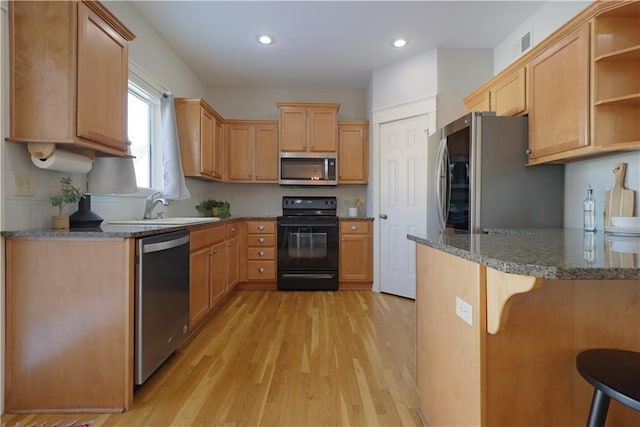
440,175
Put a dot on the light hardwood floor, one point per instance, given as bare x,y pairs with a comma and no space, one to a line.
282,359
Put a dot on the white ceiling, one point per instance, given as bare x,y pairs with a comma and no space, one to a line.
321,44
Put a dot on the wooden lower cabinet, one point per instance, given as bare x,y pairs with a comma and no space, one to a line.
214,253
513,364
261,253
233,245
356,254
69,324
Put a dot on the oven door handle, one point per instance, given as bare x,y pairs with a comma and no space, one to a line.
307,276
308,225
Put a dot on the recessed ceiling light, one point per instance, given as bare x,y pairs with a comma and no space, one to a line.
266,39
399,42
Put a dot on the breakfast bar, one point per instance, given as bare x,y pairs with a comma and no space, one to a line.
501,316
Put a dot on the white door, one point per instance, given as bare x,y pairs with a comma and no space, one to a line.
403,201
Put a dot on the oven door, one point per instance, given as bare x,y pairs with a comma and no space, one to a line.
308,254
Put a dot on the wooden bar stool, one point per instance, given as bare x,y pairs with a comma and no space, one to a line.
613,374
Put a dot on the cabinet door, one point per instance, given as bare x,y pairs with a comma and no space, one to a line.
508,96
102,81
218,266
353,154
207,138
559,96
479,101
266,153
217,150
198,286
323,125
293,129
240,148
356,258
233,263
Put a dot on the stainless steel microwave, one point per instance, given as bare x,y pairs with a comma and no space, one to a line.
308,168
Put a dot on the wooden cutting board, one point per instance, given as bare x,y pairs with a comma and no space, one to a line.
618,201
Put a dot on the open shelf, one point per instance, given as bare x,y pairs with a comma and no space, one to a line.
633,99
628,54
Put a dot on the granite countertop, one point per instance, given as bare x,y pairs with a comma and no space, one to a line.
545,253
108,231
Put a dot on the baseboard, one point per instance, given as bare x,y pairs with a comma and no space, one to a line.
355,286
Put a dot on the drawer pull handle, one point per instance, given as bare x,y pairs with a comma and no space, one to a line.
261,227
354,227
213,252
261,270
233,229
229,244
261,253
261,239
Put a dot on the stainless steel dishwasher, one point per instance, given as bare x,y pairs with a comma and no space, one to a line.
162,299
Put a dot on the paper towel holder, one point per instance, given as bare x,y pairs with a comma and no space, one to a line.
41,150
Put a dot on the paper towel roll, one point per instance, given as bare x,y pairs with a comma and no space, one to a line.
64,161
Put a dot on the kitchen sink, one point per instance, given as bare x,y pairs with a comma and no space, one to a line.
166,221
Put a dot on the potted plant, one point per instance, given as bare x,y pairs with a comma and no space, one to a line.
224,210
214,208
67,193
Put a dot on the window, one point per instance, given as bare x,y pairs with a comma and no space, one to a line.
144,127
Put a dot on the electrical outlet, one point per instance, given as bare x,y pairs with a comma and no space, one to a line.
23,186
233,198
464,310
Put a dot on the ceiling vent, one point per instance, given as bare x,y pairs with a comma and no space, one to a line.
525,42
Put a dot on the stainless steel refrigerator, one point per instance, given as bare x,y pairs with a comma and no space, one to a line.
481,181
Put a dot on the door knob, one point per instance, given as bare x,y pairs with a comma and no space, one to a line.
383,216
261,270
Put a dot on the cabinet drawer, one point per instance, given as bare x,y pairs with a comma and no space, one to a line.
261,227
261,270
355,227
233,230
261,253
261,240
206,236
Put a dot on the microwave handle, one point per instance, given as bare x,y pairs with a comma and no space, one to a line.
441,173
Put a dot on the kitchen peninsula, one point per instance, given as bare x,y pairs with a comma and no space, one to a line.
501,316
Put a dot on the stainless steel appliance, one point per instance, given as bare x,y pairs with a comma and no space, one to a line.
308,169
481,180
162,300
308,244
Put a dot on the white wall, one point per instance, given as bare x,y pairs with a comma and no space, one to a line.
599,174
260,103
460,72
408,80
551,16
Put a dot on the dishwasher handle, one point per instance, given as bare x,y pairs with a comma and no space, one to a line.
163,246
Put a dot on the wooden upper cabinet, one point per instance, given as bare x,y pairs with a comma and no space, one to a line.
559,96
69,74
505,95
240,146
508,94
353,152
308,127
252,148
266,153
478,101
200,135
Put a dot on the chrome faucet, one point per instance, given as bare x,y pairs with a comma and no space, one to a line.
151,203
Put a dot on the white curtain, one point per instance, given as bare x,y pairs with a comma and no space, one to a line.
174,186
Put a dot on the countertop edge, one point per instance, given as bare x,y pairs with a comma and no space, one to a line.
531,269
